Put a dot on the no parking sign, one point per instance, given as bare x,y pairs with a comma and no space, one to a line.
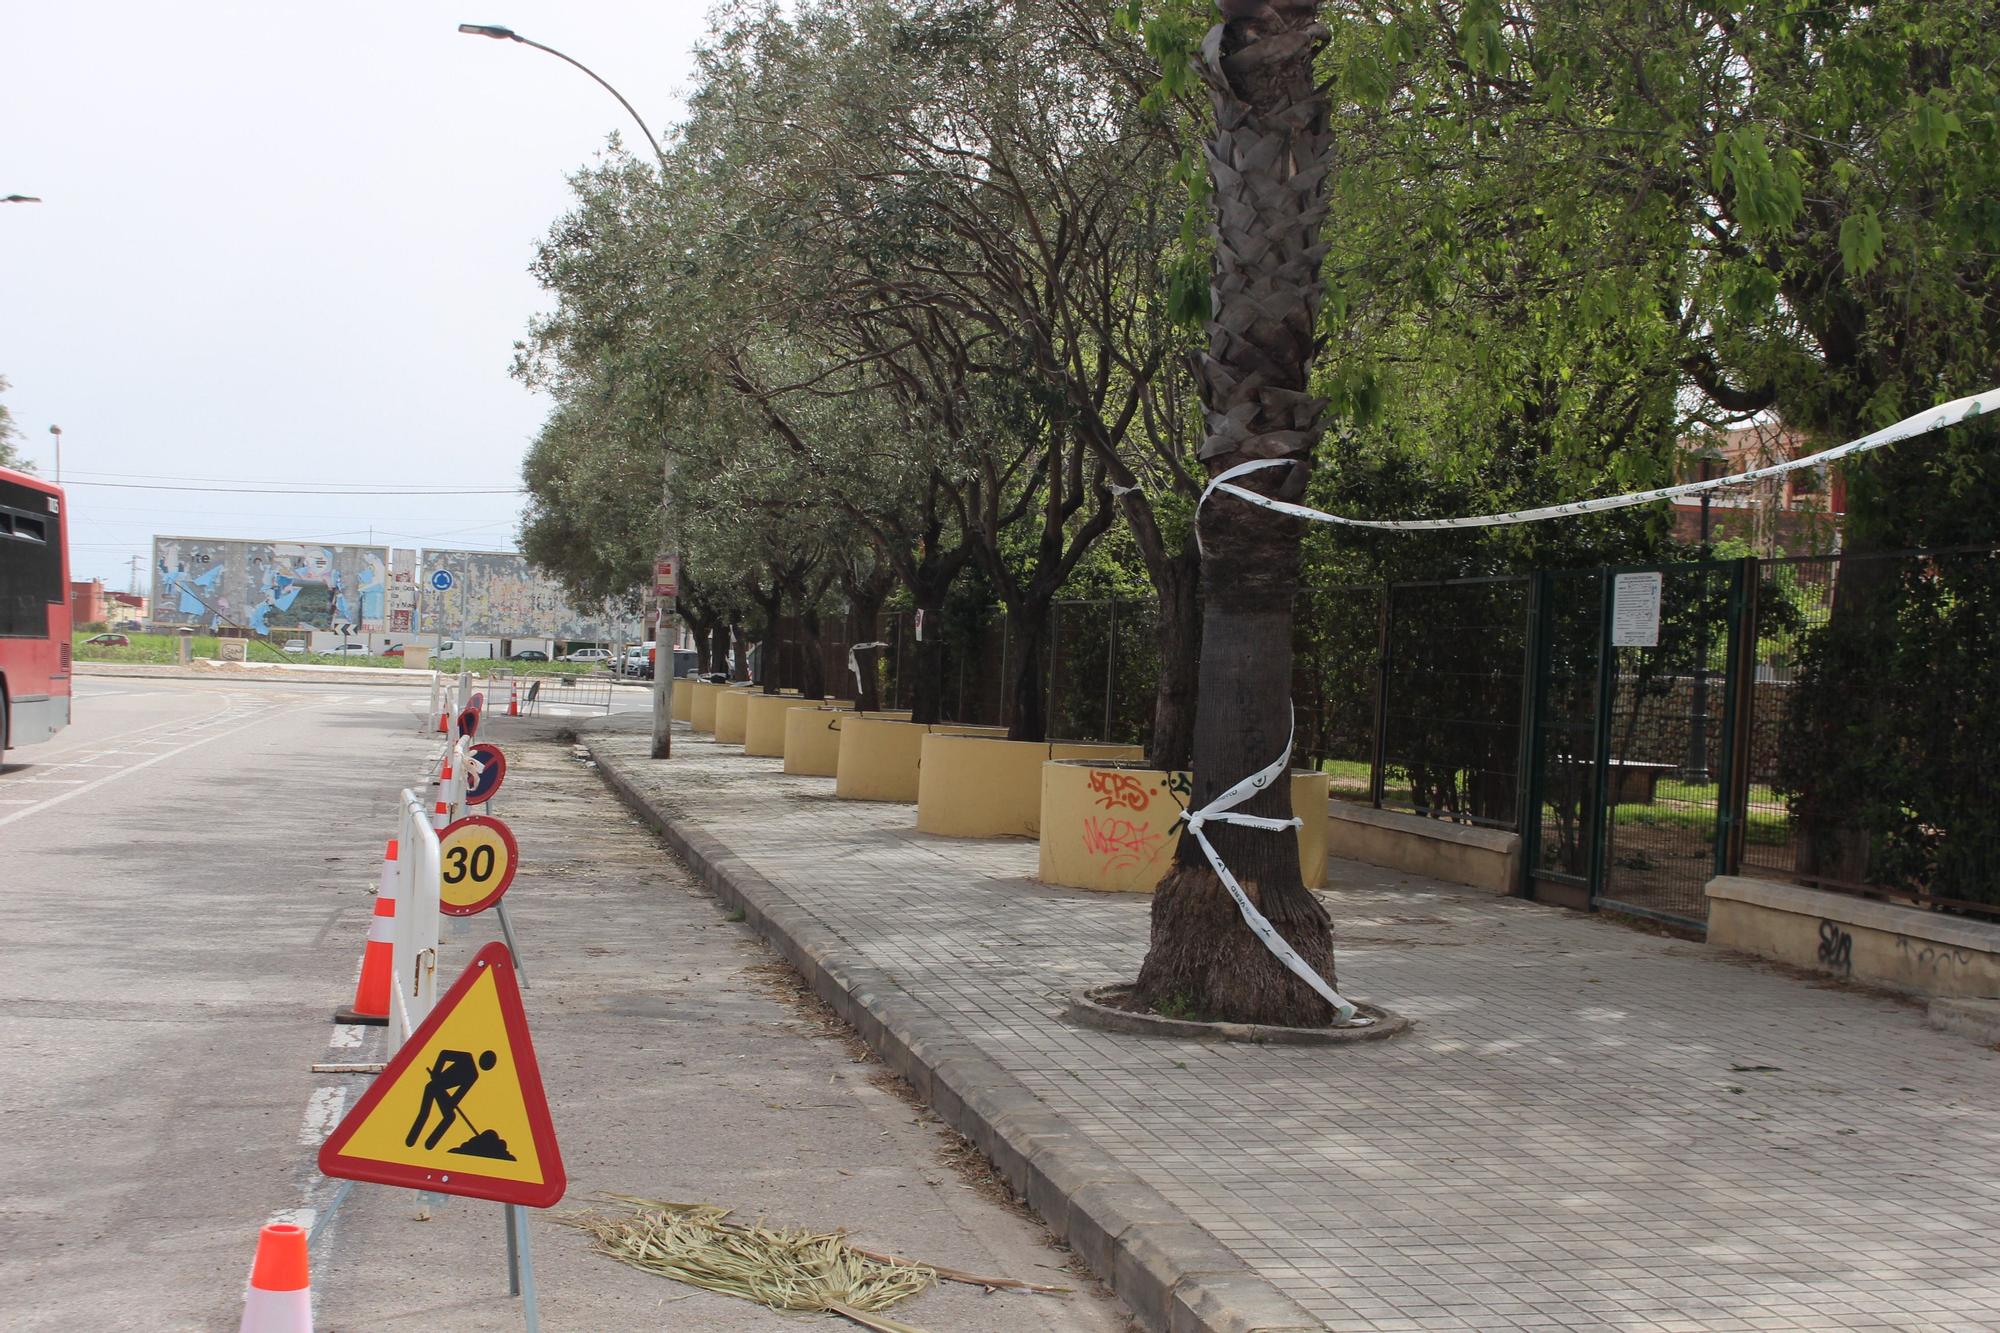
492,772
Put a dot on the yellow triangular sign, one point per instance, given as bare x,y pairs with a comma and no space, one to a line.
459,1109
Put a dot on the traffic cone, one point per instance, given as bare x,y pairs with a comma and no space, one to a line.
441,812
371,992
444,724
280,1295
513,700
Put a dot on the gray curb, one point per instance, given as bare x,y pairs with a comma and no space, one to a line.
1172,1275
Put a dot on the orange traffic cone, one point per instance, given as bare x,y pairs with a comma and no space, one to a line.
371,992
280,1296
444,724
441,812
513,700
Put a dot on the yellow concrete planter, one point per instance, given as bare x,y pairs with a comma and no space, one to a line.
1114,826
682,705
880,757
701,706
731,710
764,721
980,787
812,737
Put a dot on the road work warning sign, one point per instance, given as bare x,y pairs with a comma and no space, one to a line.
459,1109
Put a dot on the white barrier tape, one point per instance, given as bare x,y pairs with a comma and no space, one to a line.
1222,811
1922,423
1116,489
854,663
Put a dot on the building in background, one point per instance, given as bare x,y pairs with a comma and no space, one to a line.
498,594
87,602
368,592
1797,514
210,582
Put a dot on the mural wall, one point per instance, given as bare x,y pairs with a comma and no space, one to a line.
497,593
210,582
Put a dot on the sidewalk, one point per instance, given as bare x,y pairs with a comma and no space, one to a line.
1588,1128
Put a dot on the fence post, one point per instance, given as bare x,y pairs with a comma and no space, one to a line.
1739,717
1607,686
1110,669
1379,751
1527,762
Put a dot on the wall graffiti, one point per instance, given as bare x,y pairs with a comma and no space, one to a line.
1836,947
1115,790
500,593
1121,843
211,582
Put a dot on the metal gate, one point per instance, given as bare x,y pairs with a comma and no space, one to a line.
1630,736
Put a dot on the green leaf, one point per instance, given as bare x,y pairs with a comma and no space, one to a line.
1860,241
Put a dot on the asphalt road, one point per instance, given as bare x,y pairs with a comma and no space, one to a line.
185,880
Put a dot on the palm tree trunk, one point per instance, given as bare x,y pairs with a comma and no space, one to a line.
1268,159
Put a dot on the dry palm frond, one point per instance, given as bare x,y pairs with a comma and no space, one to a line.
783,1269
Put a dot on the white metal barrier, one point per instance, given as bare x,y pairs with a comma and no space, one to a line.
413,967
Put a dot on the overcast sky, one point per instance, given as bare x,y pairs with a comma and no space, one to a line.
287,243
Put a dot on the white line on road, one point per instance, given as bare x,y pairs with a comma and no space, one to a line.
323,1110
261,719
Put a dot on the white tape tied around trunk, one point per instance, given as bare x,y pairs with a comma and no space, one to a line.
854,663
1222,810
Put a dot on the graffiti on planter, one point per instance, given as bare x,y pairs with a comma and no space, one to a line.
1118,790
1121,843
1836,947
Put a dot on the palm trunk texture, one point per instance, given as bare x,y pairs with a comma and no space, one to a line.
1268,159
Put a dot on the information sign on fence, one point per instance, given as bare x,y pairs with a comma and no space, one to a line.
1635,610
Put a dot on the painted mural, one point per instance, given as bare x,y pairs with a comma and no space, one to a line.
211,582
498,593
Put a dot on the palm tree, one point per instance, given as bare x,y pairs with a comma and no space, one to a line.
1268,161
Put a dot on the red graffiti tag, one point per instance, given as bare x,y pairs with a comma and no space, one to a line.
1120,842
1119,789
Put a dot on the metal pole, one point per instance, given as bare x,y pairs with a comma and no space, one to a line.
513,1254
1110,669
507,929
530,1316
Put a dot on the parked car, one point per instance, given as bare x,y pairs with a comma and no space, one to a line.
393,650
638,661
134,625
109,641
529,655
295,646
588,655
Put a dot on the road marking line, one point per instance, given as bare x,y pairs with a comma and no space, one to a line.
134,768
323,1111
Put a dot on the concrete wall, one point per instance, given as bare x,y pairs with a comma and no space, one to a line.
1902,948
1483,858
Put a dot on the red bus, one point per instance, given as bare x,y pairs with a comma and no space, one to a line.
34,611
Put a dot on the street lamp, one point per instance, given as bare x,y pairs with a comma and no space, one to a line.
663,653
57,432
500,34
20,199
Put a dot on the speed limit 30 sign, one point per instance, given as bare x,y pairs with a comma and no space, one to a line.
477,857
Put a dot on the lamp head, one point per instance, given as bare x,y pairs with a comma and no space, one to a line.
493,30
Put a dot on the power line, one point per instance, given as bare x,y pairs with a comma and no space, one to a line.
246,490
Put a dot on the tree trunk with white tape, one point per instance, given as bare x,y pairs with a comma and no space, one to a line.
1268,159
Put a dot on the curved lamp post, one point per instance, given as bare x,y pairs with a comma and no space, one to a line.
663,648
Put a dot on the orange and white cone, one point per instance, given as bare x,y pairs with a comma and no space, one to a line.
280,1295
513,700
441,812
371,992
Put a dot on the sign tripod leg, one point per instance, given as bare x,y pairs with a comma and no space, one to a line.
507,929
513,1254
